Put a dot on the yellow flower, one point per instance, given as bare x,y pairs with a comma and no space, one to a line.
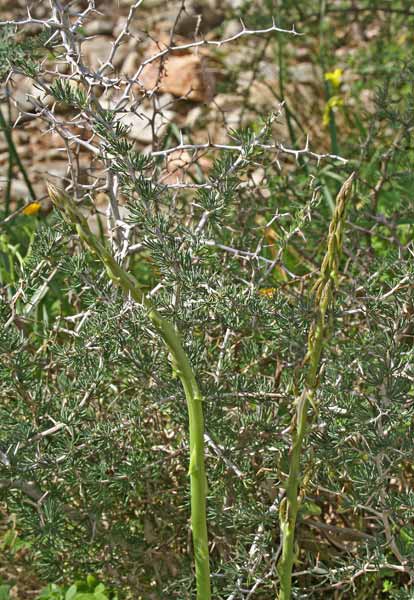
32,209
267,292
333,102
335,77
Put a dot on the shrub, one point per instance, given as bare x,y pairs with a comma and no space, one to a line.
272,296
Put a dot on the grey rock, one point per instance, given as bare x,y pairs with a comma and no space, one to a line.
99,27
201,18
96,51
305,72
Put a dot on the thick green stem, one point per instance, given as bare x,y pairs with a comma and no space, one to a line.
183,369
324,293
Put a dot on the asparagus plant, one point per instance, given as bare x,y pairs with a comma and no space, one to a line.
182,367
323,292
91,435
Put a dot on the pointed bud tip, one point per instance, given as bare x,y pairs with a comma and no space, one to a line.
51,190
54,194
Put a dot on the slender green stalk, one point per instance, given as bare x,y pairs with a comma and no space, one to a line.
332,123
280,55
14,156
322,50
182,367
9,184
323,296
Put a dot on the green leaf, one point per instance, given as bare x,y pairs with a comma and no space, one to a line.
100,596
91,581
71,593
100,588
51,592
4,592
310,508
406,535
387,585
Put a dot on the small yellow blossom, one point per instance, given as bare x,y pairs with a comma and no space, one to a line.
32,209
335,77
267,292
332,103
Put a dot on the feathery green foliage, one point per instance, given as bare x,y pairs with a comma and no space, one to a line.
308,453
